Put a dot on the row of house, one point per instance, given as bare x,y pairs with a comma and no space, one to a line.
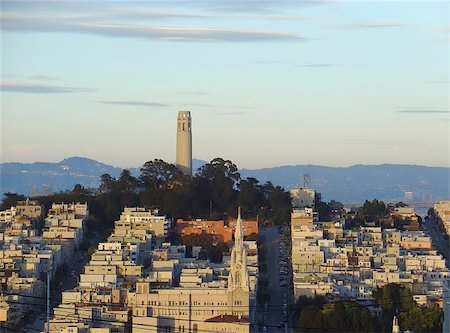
138,282
442,209
33,248
330,261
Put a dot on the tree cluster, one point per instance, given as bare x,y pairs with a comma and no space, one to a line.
316,315
212,248
396,300
215,192
371,211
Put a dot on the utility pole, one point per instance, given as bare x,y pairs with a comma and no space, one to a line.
49,275
190,312
446,325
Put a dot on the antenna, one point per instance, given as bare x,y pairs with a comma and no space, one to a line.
306,180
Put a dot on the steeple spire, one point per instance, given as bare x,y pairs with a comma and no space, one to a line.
238,276
238,234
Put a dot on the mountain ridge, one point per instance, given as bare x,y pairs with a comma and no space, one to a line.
353,183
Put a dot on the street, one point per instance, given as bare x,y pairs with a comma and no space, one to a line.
276,310
39,315
439,242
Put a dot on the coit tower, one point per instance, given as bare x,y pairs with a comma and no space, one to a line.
184,142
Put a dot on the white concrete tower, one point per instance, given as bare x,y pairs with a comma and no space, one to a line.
184,142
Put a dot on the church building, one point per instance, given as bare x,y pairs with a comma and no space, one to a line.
200,309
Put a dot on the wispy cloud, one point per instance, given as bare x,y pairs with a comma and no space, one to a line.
162,33
34,77
267,62
289,17
230,6
125,20
423,111
256,6
31,88
318,65
217,106
372,25
43,78
135,103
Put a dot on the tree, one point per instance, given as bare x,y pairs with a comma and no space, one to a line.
80,193
222,177
322,208
10,199
251,196
107,183
374,209
160,174
126,182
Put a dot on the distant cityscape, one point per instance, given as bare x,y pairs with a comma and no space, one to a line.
216,252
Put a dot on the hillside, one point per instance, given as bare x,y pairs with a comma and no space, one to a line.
350,184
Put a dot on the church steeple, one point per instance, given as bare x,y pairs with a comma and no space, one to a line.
238,235
238,276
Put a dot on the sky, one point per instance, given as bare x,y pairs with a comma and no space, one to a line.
268,83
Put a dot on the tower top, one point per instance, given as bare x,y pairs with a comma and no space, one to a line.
186,114
238,235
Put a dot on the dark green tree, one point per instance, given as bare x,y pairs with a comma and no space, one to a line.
107,183
251,197
10,199
160,174
222,177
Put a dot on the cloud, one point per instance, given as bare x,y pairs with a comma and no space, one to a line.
114,21
371,25
289,17
135,103
216,106
31,88
255,6
162,33
318,65
91,10
423,111
43,77
231,6
267,62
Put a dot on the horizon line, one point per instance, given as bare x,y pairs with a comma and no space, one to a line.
243,168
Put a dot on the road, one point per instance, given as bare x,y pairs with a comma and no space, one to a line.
78,261
275,312
439,242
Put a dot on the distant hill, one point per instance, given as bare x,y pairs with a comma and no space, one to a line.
40,177
351,184
357,183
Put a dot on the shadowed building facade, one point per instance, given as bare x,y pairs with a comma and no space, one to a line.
184,142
